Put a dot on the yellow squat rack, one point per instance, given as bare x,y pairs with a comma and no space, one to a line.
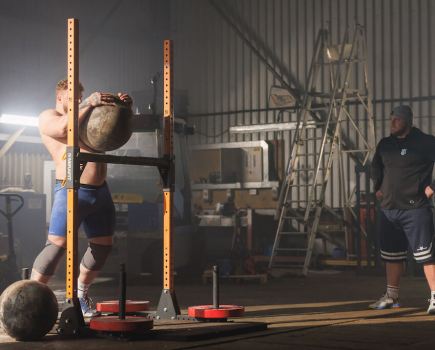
71,321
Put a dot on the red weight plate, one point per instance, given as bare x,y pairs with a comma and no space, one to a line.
114,324
112,306
209,312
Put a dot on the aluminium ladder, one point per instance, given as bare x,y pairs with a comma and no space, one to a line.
318,141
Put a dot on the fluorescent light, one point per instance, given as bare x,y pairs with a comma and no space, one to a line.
14,119
245,129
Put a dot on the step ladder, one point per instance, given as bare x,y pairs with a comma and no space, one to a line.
314,150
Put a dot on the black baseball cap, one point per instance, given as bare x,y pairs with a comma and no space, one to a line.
403,111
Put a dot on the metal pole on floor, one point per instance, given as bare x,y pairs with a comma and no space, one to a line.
216,287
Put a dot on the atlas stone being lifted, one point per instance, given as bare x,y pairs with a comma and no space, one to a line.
107,128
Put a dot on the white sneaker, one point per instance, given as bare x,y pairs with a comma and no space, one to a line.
431,308
386,302
87,308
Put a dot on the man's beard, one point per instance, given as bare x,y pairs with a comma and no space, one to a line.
401,132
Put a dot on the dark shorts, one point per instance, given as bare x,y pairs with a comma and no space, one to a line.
402,228
96,211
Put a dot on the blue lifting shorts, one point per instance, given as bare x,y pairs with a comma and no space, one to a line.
95,207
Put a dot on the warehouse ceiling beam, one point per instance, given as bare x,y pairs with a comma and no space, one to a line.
11,140
258,47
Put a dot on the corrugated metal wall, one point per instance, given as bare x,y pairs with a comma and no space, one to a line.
223,75
120,48
15,165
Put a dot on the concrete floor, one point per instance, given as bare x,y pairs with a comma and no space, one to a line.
322,311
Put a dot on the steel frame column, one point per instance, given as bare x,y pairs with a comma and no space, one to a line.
168,306
71,321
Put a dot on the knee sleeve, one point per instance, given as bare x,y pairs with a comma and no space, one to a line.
95,256
48,259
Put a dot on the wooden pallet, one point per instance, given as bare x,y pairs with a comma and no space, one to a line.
344,262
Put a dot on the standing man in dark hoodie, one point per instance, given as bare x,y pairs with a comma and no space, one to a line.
402,172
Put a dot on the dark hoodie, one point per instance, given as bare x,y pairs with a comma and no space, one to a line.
402,169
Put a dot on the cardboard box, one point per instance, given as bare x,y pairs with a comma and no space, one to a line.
253,164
